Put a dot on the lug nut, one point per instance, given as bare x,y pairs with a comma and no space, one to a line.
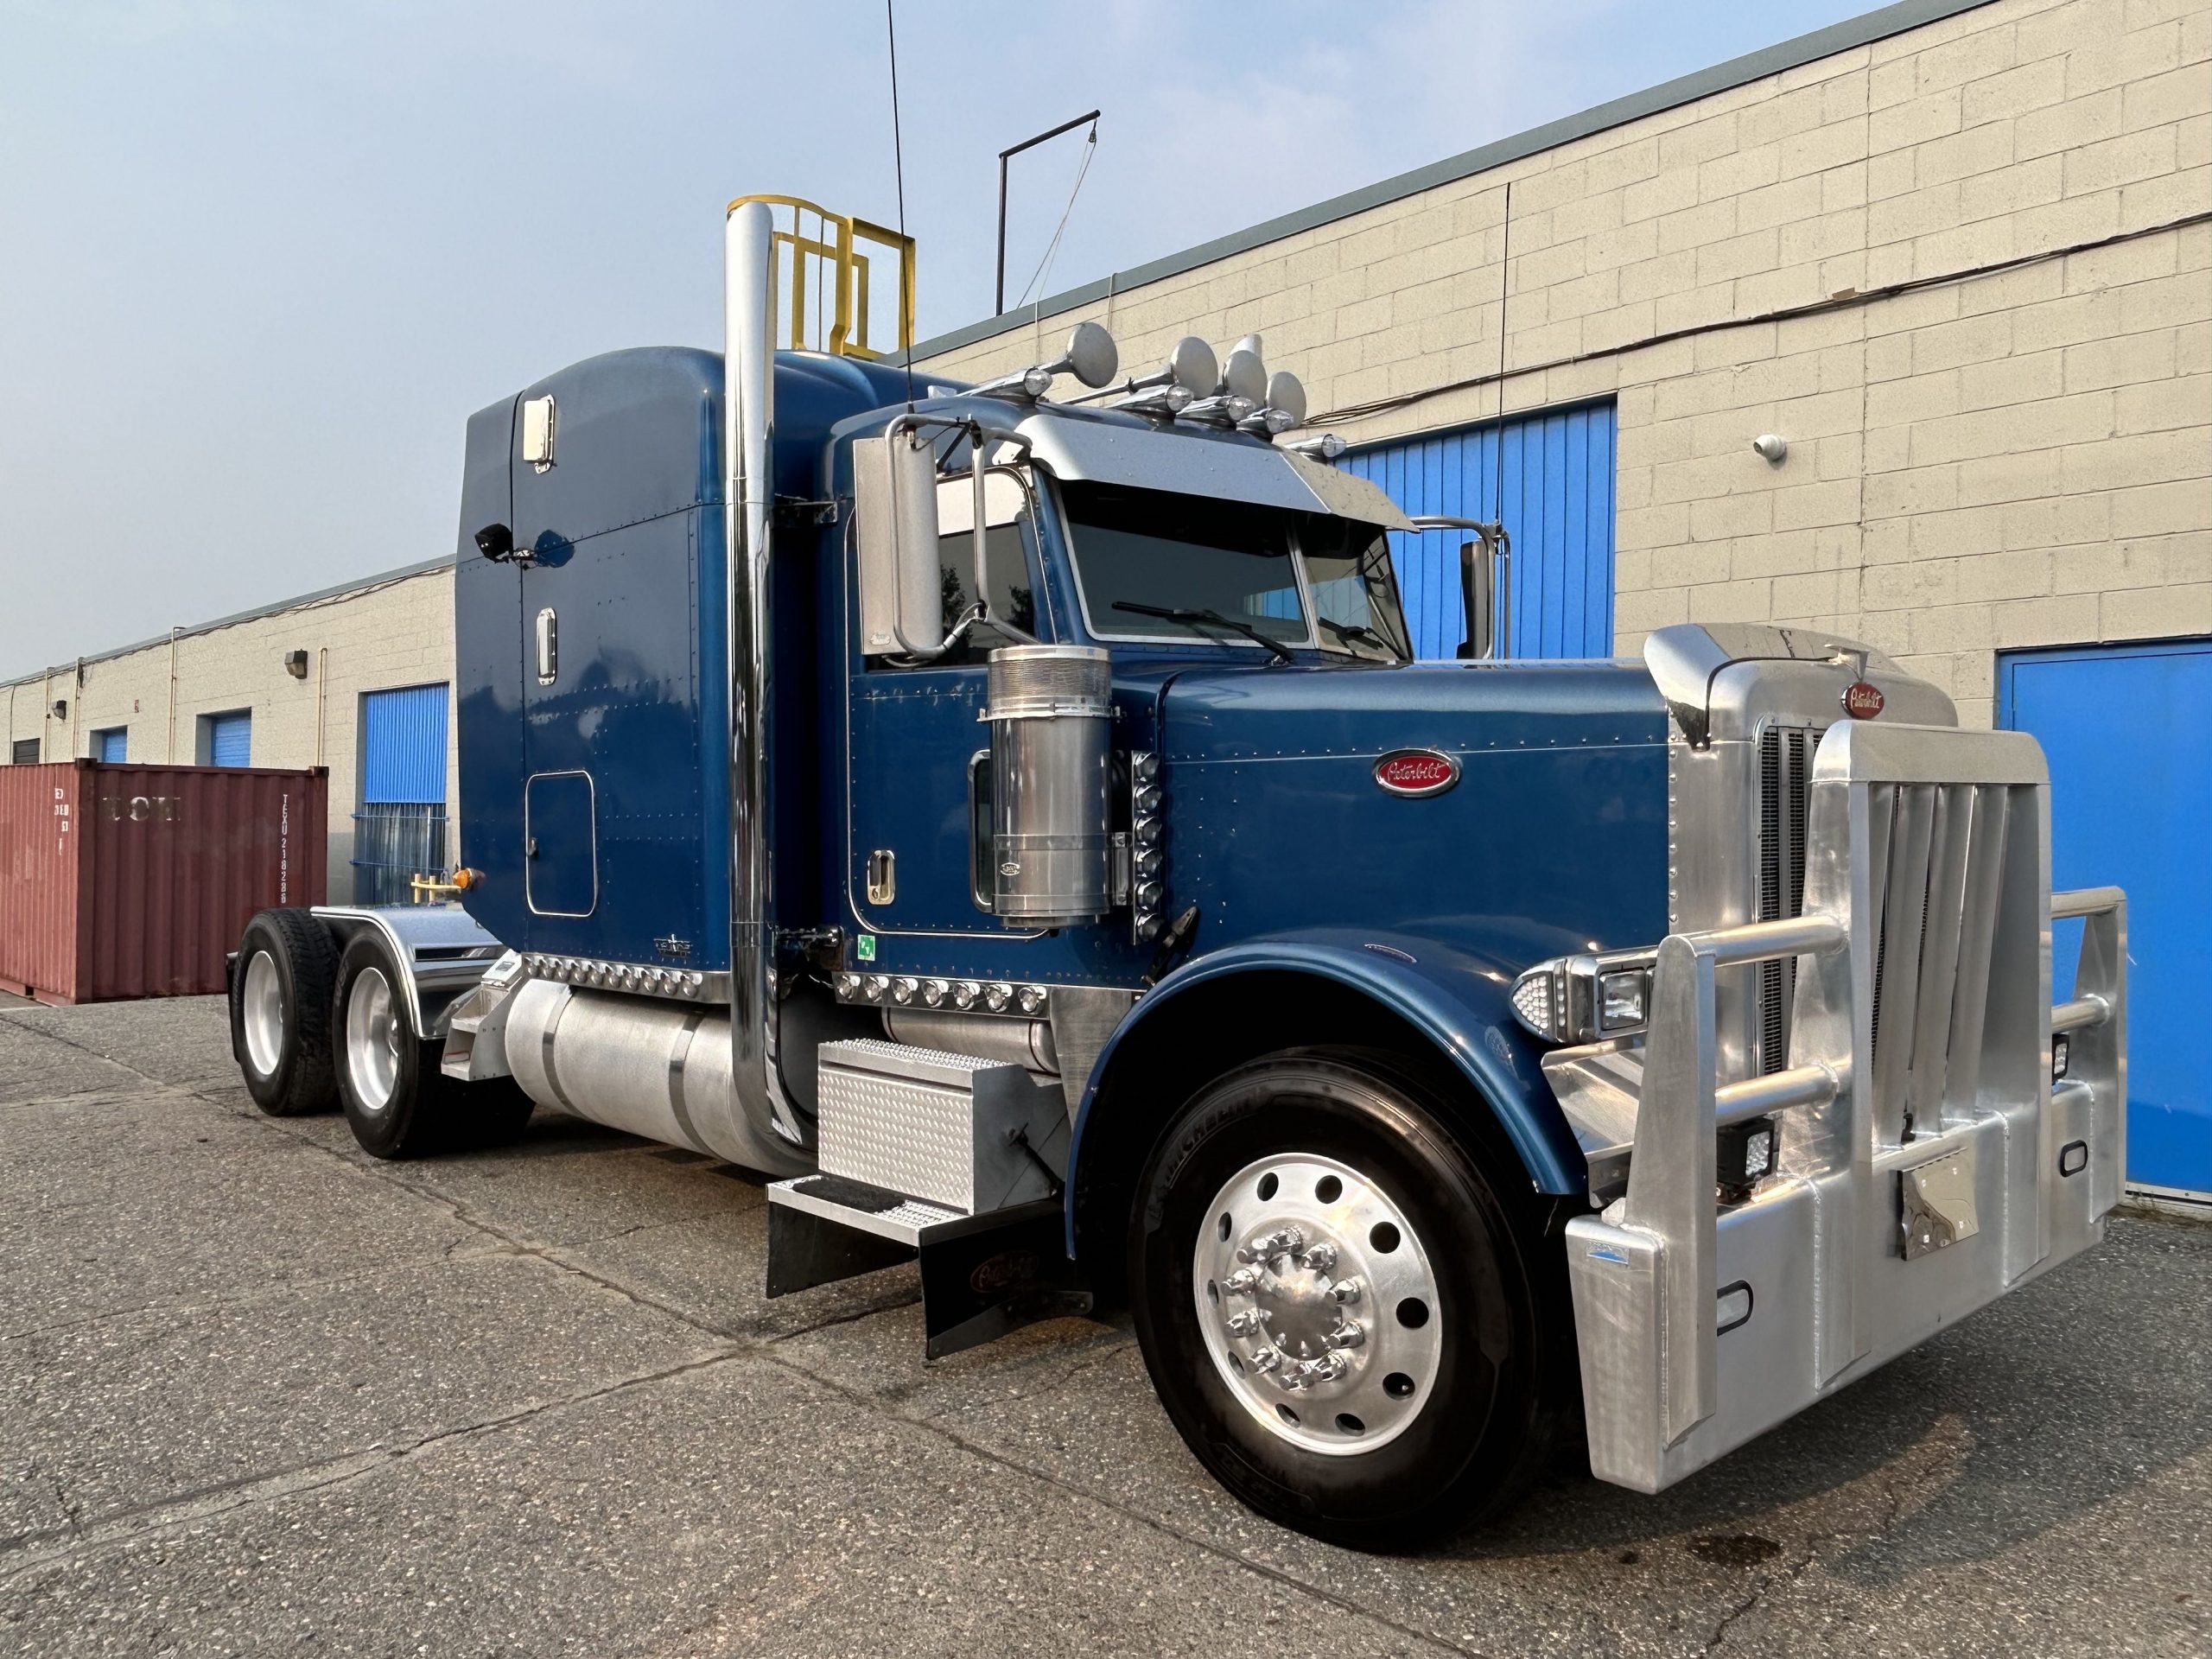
1242,1282
1321,1258
1346,1290
1288,1241
1246,1324
1349,1334
1268,1359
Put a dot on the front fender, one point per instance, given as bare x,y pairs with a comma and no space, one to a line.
1453,998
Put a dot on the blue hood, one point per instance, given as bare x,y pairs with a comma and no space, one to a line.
1553,839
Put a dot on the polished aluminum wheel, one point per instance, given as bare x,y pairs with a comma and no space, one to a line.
374,1030
261,1012
1318,1303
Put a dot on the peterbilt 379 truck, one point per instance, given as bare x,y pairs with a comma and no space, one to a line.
1016,827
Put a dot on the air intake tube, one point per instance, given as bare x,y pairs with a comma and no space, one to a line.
1051,713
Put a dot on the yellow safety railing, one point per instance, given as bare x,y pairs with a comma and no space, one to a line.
831,256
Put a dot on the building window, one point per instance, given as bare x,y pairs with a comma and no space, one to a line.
25,752
399,824
225,739
112,744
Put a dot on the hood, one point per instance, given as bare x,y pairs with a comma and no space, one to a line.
1548,834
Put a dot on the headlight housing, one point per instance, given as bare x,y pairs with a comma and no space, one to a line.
1584,999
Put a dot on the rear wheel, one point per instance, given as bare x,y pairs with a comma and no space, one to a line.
396,1100
1346,1319
280,1013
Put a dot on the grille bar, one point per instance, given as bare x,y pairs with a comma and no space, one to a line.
1785,753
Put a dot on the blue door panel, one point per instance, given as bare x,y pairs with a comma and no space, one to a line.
111,745
2130,790
403,745
1557,478
230,740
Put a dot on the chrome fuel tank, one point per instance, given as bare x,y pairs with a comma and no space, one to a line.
641,1065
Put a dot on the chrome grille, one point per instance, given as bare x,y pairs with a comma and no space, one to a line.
1784,755
1938,858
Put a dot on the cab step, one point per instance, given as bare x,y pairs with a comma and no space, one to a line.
948,1158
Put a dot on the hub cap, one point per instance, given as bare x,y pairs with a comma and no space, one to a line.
1317,1303
261,1011
373,1032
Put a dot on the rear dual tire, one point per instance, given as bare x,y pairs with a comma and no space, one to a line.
398,1101
280,1012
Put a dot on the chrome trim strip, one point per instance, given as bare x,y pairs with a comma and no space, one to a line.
679,1059
545,1052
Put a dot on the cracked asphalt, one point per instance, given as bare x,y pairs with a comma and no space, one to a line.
262,1395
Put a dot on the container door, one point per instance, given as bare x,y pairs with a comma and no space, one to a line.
2130,790
1556,471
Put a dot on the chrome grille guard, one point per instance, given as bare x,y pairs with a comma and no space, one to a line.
1925,1161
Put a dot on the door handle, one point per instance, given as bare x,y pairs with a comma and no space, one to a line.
882,876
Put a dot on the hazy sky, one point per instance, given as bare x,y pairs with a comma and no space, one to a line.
259,259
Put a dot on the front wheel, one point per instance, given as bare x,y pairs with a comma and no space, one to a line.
1346,1319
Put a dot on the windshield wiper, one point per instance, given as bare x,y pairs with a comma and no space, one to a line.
1360,631
1191,618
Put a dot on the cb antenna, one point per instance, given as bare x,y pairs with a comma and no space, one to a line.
899,171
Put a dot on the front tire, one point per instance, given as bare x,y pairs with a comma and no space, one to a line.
280,1013
1347,1321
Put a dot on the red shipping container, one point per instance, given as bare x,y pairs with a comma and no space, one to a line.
126,882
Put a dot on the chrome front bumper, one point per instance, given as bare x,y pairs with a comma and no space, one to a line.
1926,1163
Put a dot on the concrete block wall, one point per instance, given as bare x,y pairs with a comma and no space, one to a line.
388,634
1976,463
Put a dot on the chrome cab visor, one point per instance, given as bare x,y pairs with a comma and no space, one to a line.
1101,448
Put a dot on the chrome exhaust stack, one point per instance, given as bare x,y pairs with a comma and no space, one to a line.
748,435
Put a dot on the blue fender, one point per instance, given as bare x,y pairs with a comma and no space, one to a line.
1456,999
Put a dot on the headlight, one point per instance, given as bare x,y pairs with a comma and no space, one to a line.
1621,999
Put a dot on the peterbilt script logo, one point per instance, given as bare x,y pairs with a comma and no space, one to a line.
1862,701
1416,773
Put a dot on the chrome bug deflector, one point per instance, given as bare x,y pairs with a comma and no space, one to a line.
1926,1164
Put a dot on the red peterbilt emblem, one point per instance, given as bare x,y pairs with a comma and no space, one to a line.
1862,701
1416,772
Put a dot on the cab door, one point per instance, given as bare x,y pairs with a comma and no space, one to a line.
917,734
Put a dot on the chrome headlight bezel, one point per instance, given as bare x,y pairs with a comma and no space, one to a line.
1586,998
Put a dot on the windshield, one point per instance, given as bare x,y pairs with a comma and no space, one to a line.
1355,593
1183,553
1140,553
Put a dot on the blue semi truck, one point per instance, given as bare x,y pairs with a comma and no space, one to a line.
1015,826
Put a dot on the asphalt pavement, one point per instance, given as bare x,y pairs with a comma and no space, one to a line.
260,1394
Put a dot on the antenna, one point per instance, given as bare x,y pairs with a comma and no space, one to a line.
898,169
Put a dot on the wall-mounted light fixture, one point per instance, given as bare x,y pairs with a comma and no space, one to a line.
295,664
1770,448
61,707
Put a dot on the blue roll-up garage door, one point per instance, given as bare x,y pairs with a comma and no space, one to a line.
399,826
2131,792
1558,480
230,739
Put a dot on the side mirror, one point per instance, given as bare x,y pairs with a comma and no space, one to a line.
894,502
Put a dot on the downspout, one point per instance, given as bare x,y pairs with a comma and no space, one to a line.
748,498
322,683
171,759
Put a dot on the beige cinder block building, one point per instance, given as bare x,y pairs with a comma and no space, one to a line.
1956,256
291,685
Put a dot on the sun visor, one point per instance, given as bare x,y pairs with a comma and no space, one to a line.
1141,456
